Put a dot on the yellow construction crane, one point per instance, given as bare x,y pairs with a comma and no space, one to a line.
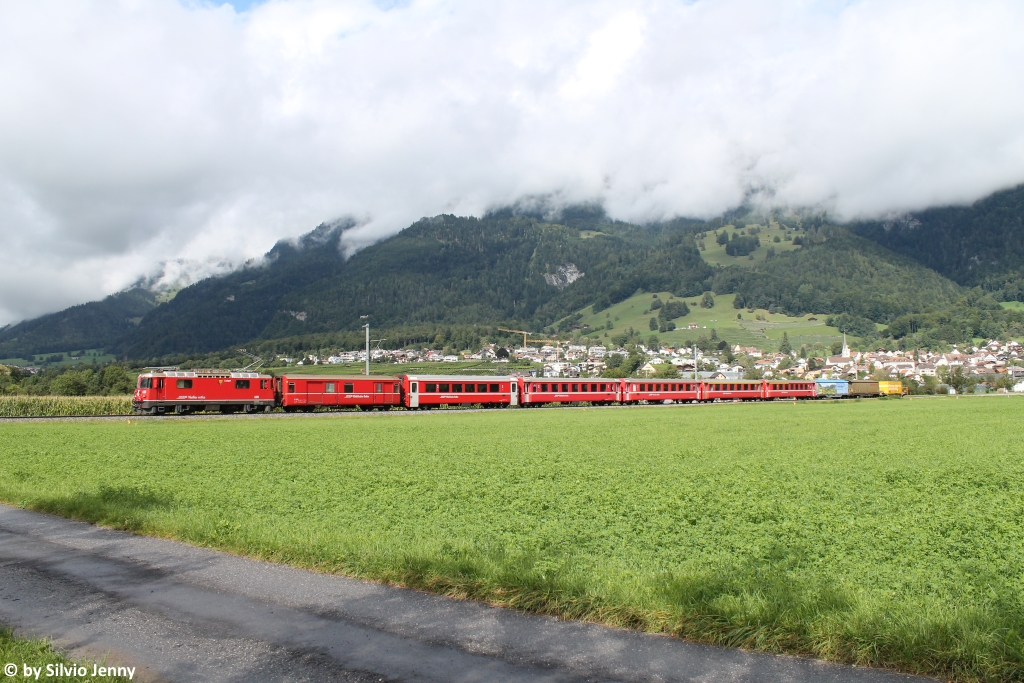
522,332
556,342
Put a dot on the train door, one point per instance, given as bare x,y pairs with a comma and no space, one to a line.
514,396
414,394
314,393
378,393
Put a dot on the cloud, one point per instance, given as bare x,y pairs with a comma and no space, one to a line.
135,134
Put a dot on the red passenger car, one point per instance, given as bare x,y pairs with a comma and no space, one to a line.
732,390
786,389
178,391
657,392
537,391
431,391
309,392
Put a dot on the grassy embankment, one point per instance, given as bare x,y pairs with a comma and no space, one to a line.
884,533
38,654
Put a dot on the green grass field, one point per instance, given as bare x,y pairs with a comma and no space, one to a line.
764,334
886,532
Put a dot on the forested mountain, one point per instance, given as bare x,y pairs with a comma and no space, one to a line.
501,268
977,245
839,272
523,271
86,326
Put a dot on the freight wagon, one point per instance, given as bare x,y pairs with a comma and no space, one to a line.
892,389
863,387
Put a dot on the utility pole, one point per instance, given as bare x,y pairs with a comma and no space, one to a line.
367,326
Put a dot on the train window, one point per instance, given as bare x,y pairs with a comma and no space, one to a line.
241,384
495,388
431,388
470,388
565,387
159,384
291,387
378,388
415,387
657,387
457,388
183,384
481,388
543,387
349,387
396,387
575,387
263,383
603,387
329,388
515,387
444,388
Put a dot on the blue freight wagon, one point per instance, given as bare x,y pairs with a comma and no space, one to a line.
833,387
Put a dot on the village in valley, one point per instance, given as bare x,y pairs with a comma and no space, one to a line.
992,366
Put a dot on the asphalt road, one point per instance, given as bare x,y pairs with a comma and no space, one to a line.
180,613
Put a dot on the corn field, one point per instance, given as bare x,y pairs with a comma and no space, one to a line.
64,406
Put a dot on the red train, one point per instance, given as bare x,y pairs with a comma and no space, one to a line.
181,392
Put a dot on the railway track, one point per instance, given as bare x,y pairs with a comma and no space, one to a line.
170,417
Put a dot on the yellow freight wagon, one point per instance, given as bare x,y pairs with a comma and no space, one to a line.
891,388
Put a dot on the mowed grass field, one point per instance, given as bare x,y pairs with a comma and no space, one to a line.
886,533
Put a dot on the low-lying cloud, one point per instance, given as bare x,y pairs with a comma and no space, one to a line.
136,133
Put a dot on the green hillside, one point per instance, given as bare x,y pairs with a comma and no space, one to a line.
87,326
449,270
981,244
758,328
454,274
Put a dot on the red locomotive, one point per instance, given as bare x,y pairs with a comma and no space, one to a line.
185,391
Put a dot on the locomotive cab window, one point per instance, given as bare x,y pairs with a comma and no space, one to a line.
349,387
145,383
160,383
183,384
264,383
241,384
